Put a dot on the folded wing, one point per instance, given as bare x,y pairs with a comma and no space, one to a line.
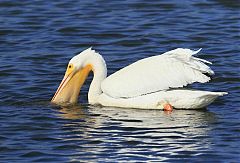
173,69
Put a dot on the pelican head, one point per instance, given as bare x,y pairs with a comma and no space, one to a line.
77,71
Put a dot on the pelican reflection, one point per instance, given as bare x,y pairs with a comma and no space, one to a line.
95,129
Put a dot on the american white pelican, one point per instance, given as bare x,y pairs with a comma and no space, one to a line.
151,83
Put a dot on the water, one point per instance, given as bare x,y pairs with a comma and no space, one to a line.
37,38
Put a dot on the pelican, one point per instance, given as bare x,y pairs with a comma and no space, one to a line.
155,82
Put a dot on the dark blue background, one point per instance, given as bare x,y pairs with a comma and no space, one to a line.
37,39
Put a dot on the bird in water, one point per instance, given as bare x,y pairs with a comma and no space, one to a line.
155,82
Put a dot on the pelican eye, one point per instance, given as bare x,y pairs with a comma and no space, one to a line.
70,66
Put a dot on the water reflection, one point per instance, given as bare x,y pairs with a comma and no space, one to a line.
126,132
74,112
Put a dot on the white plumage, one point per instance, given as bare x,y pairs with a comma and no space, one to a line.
178,98
173,69
148,83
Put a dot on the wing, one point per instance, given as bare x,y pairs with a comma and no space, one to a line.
173,69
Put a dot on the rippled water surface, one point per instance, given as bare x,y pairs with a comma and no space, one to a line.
37,38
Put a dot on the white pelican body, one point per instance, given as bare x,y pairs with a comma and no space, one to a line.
149,83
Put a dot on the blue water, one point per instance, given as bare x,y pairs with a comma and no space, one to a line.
37,39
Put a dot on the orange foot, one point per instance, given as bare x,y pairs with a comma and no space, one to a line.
168,107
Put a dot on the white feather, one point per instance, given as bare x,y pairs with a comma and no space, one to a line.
173,69
178,98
